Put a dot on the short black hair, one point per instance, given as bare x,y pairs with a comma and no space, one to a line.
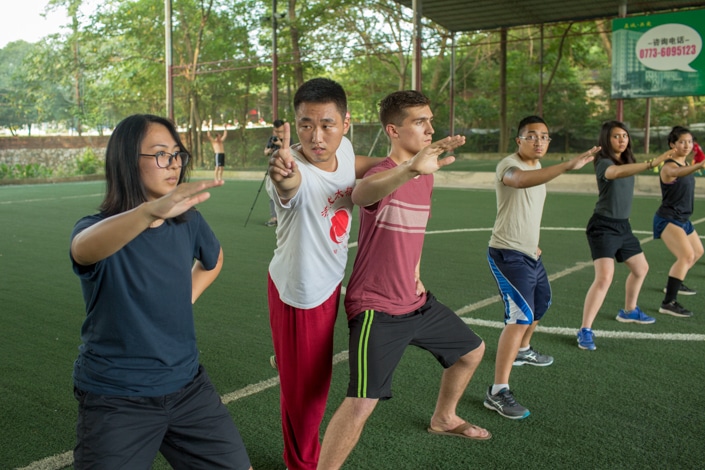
392,108
322,90
677,132
530,120
278,123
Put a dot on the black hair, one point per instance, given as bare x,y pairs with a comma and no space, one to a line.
278,123
322,90
392,108
530,120
124,187
606,143
676,134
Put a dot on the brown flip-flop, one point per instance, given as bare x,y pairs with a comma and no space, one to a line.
458,432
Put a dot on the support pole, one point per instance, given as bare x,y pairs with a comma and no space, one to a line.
647,127
451,98
416,73
620,103
540,103
275,65
168,61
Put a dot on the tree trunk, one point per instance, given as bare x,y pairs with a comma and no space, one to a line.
295,48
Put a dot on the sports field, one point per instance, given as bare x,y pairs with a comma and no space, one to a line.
635,402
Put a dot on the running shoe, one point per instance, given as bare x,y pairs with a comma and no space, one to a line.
532,357
684,290
505,404
635,316
675,309
273,362
586,339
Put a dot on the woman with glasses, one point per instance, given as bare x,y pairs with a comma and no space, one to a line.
672,219
609,232
137,379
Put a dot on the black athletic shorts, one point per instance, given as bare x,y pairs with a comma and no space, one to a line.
611,238
378,341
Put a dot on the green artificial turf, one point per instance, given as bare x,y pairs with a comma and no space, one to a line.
632,403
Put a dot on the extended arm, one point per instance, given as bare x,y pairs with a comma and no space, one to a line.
375,187
614,172
106,237
671,172
517,178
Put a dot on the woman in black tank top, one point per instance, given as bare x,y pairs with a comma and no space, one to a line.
672,219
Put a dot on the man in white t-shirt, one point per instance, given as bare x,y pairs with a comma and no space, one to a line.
310,185
515,257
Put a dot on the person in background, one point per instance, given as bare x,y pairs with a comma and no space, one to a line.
609,232
672,219
274,143
219,149
387,305
698,155
138,381
515,258
311,186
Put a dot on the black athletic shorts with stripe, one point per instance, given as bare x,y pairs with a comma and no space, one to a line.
378,341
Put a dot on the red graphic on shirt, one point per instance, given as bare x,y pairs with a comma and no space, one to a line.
340,224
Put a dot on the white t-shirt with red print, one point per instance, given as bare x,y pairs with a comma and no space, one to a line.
313,229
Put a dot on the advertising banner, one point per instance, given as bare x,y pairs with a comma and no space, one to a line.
658,55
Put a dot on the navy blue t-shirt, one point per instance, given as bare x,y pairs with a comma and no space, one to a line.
138,336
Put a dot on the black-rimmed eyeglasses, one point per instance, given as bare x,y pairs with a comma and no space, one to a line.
535,138
164,159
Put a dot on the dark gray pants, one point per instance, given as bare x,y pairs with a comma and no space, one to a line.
191,428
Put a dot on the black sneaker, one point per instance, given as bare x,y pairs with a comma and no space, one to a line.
505,404
675,309
684,290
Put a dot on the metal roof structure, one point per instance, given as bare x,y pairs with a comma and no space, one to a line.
487,15
478,15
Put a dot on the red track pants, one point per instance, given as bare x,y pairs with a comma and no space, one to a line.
303,344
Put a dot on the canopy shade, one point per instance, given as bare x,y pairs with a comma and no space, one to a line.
477,15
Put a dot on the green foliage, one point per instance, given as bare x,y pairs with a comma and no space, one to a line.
88,163
19,171
111,64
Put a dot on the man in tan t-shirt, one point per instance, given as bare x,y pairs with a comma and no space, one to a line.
515,257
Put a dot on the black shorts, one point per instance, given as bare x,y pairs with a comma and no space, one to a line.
191,428
378,341
611,238
219,159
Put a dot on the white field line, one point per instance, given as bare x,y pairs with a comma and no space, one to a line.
51,199
59,461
